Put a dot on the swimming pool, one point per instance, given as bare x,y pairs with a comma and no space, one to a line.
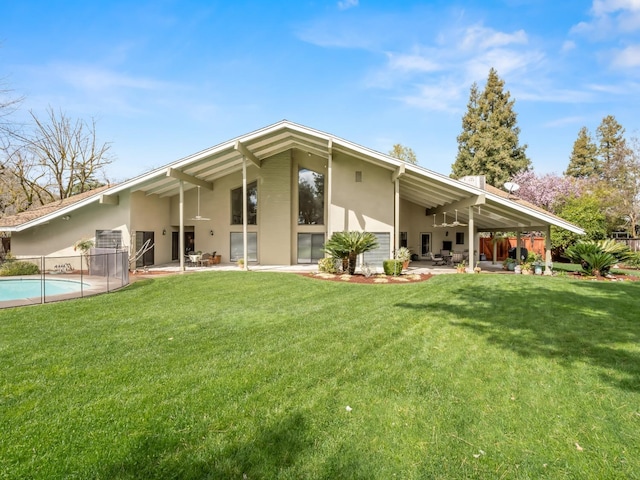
19,288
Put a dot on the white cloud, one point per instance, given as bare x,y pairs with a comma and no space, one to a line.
627,58
412,63
478,37
97,78
346,4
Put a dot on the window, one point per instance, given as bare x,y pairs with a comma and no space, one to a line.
310,247
237,246
403,239
459,238
252,205
310,197
375,257
108,239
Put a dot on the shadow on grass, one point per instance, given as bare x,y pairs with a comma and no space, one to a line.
592,322
270,452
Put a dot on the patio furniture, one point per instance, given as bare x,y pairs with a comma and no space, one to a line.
457,258
205,260
437,259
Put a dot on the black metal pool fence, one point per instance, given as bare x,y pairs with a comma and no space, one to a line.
61,278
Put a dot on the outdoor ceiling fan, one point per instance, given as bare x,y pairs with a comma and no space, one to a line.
444,224
198,217
456,223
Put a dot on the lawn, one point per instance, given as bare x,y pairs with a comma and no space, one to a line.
274,375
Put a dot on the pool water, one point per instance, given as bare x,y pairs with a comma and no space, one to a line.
16,289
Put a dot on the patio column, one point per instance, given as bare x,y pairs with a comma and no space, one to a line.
547,252
245,245
329,189
395,178
518,239
181,228
473,241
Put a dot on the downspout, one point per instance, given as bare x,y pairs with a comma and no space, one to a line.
181,228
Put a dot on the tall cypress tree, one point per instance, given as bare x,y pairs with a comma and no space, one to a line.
584,162
488,144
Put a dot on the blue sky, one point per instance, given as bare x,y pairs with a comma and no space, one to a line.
165,79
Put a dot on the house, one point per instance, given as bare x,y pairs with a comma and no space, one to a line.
273,196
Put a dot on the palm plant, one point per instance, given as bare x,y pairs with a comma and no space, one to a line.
597,257
346,246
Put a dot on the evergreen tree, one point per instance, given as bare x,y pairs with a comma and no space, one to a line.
584,162
488,144
610,134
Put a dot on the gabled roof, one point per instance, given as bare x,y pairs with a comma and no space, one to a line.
437,193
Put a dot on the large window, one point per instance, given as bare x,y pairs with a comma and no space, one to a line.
252,205
310,247
237,246
310,197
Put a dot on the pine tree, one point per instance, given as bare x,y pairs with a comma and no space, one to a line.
488,144
584,162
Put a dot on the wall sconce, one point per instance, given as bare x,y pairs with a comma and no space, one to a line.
211,232
446,234
164,231
66,217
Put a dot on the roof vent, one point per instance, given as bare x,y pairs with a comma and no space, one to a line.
477,181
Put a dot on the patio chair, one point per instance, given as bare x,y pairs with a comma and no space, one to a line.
205,259
457,258
437,259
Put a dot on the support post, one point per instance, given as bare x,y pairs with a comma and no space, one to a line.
245,245
547,252
181,228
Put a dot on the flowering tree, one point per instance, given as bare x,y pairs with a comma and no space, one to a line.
548,191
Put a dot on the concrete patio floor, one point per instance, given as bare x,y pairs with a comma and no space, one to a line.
422,267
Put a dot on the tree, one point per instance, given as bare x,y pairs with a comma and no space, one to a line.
403,153
620,188
584,161
488,144
56,159
610,134
584,211
548,191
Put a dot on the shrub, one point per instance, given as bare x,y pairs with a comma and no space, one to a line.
327,265
596,258
348,245
18,267
392,267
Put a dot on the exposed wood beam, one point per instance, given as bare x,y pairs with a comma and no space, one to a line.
173,173
110,199
247,153
467,202
398,172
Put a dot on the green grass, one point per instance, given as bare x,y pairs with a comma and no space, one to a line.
248,375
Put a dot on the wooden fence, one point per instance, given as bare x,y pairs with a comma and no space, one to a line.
535,245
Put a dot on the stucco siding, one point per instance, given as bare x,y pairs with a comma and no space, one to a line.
274,210
367,204
57,237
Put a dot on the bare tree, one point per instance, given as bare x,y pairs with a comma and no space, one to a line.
68,154
59,157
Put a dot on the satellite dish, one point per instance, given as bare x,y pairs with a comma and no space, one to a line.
511,187
198,217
